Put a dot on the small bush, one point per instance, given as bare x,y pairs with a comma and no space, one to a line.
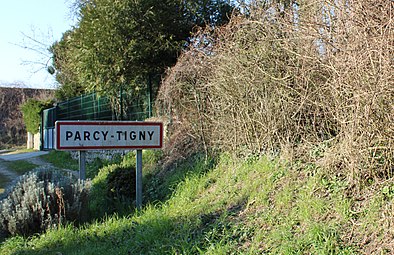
121,184
113,190
43,199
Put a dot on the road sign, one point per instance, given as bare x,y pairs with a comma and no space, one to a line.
104,135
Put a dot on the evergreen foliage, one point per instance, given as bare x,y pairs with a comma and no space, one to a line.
113,190
121,184
123,44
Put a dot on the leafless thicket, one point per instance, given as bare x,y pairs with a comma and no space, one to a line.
312,82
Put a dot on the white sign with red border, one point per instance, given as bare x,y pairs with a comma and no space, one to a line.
104,135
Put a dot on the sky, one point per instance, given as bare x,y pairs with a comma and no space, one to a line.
27,26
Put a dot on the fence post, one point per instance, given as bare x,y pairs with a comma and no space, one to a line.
68,109
98,107
81,107
149,95
121,102
138,180
41,129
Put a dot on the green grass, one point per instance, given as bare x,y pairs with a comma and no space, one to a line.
20,166
61,159
229,207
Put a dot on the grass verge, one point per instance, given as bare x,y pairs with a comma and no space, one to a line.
251,207
61,159
20,166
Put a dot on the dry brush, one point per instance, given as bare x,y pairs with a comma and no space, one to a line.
312,82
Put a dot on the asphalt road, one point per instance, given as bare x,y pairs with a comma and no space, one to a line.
21,156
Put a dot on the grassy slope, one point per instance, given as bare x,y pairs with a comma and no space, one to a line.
251,207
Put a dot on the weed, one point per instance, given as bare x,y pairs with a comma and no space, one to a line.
388,191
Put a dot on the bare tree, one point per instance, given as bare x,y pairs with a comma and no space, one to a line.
39,43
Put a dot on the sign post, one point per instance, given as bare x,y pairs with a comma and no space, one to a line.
138,180
107,135
82,165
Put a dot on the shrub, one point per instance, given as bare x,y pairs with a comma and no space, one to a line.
121,184
43,199
113,189
270,83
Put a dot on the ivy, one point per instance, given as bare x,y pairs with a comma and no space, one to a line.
31,111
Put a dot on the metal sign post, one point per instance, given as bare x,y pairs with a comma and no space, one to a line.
82,165
138,180
107,135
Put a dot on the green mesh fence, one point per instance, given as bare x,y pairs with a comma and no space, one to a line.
95,107
86,107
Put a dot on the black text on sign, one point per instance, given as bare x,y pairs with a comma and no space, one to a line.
85,135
